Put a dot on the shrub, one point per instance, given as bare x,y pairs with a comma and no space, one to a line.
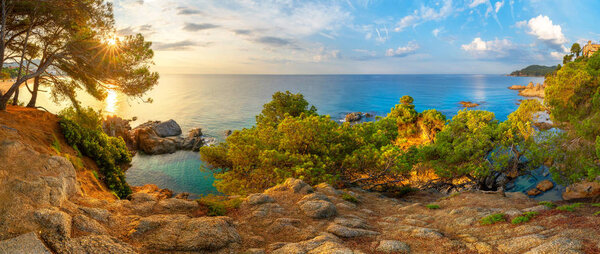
570,208
547,204
56,144
95,174
108,153
524,218
492,219
597,213
596,205
433,206
349,198
218,205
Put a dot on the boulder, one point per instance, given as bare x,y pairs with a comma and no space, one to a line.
87,225
348,232
53,220
259,198
98,214
151,190
177,205
115,126
545,185
582,190
353,117
318,209
534,192
181,233
24,244
468,104
100,244
325,239
168,128
393,246
521,243
293,185
559,245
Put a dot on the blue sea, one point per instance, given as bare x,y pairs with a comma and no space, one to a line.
217,103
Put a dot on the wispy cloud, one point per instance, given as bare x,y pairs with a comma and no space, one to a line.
496,48
403,51
425,14
187,11
193,27
178,45
273,41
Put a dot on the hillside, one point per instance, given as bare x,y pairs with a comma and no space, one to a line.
48,205
533,71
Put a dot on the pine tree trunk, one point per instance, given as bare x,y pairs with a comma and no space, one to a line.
36,85
15,101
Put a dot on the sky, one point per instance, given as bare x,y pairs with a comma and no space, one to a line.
357,36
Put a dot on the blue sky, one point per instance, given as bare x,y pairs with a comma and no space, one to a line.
357,36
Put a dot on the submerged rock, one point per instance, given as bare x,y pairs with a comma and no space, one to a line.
156,137
353,117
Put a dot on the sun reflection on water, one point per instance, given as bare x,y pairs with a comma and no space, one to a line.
111,101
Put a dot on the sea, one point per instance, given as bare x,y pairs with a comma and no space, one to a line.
217,103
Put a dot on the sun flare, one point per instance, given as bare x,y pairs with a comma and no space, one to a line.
111,41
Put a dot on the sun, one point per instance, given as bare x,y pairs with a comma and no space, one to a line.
112,41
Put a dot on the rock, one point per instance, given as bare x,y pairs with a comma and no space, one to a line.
181,233
167,129
521,243
254,251
286,225
534,192
100,244
183,195
426,233
545,185
516,87
351,221
259,198
539,208
24,244
87,225
558,246
327,189
582,190
98,214
481,247
177,205
150,142
152,190
54,220
318,209
228,133
393,246
306,246
347,232
193,141
468,104
353,117
115,126
293,185
267,209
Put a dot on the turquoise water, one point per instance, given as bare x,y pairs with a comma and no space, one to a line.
220,102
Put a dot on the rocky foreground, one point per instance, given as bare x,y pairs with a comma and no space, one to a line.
44,211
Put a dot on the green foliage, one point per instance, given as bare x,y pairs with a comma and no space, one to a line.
547,204
534,70
349,198
573,97
56,144
108,152
576,49
596,205
218,205
569,208
492,219
433,206
524,218
597,213
95,174
86,117
284,104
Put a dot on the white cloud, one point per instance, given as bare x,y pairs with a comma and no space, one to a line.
324,55
495,48
476,3
557,55
425,14
403,51
436,31
544,30
498,5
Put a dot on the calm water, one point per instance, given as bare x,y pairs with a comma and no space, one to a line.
221,102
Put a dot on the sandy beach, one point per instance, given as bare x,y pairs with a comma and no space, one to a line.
5,84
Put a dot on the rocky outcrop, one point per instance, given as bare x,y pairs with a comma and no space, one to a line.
23,244
353,117
582,190
541,187
156,137
530,90
468,104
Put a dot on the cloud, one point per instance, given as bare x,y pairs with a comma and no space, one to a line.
436,31
498,5
382,35
242,31
476,3
425,14
544,30
273,41
193,27
325,55
178,45
490,49
557,55
187,11
146,30
403,51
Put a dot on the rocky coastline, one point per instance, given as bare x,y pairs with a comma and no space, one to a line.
530,90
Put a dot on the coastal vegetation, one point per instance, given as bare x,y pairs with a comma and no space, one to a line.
83,132
291,140
534,70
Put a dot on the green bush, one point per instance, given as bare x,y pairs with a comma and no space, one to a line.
433,206
597,213
492,219
547,204
524,218
349,198
570,208
596,205
218,205
56,144
108,153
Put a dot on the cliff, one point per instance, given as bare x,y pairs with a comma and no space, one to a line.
48,207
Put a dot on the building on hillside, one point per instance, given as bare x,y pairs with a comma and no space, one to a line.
589,49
